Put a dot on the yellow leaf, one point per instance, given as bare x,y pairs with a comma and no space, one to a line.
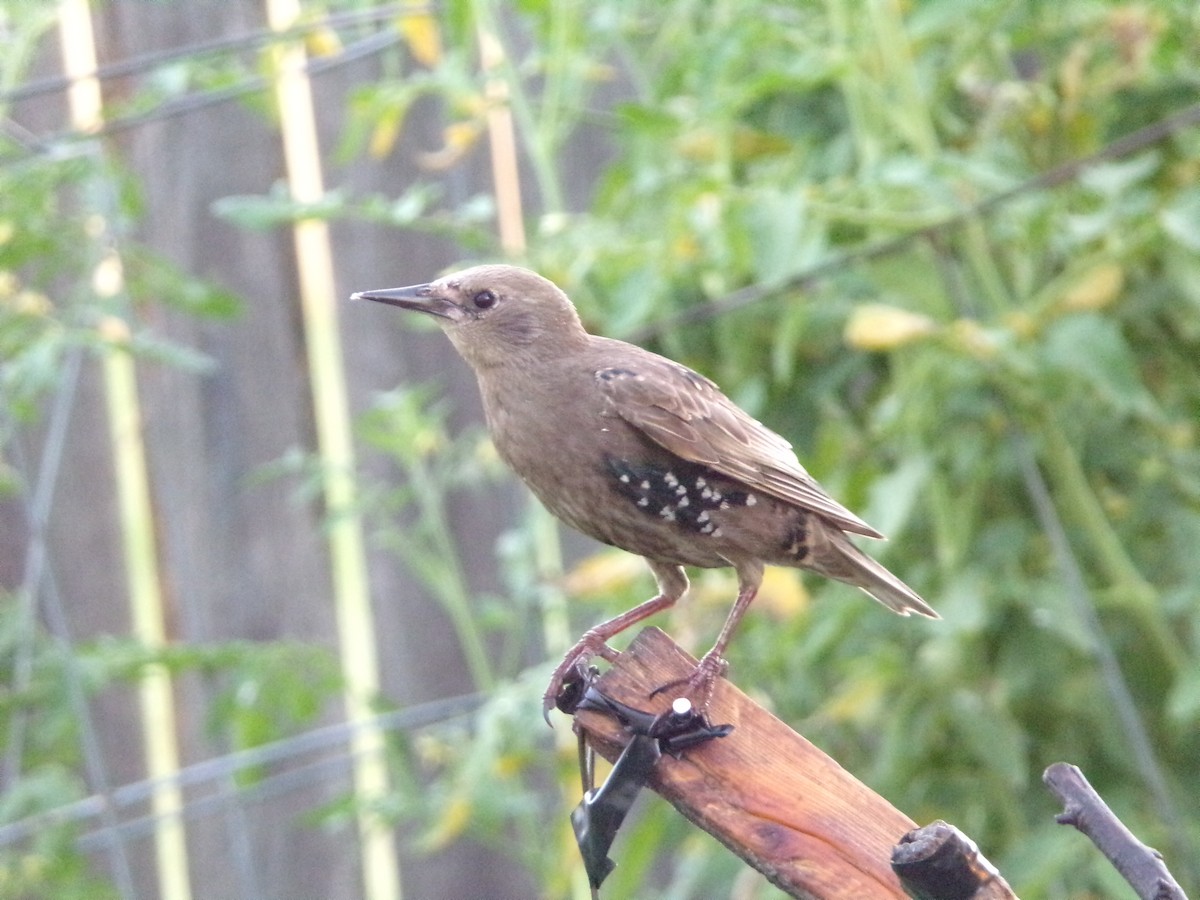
684,248
421,33
31,303
750,144
713,589
1096,289
876,326
459,137
508,765
323,42
782,594
606,572
972,337
384,135
858,698
113,330
1021,324
699,145
433,750
449,825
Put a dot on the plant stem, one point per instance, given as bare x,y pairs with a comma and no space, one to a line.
451,588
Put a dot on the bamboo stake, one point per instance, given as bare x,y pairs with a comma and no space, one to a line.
356,624
506,180
155,697
510,216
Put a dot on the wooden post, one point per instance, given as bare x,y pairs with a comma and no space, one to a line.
939,862
763,791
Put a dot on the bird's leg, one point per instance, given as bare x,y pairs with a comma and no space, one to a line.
713,665
672,583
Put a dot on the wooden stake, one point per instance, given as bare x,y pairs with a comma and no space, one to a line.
148,611
319,302
764,791
939,862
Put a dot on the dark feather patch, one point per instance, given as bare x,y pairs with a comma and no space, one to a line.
690,496
795,544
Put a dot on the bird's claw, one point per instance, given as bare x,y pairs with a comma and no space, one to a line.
700,684
572,675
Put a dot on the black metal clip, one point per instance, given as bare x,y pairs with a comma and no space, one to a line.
600,813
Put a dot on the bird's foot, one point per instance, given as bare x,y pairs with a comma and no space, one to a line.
573,668
698,687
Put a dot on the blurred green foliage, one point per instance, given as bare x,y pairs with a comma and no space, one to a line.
260,692
956,356
937,355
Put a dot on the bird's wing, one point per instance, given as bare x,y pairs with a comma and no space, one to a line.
688,415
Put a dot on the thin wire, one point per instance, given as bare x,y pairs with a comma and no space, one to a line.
268,787
222,767
196,102
37,512
39,580
754,293
139,65
93,755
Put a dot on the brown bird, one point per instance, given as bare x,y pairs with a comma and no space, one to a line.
641,452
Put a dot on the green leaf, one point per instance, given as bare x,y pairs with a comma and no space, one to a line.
262,212
1112,178
990,735
1183,702
1181,219
1091,349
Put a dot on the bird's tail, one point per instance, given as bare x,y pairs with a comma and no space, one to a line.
834,556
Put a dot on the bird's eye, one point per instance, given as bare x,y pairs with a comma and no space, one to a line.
485,299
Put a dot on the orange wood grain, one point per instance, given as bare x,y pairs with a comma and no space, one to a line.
764,791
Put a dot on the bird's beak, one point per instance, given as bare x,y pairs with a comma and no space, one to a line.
421,297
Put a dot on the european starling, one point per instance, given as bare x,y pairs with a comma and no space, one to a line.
641,452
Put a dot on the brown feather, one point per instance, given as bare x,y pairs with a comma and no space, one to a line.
686,413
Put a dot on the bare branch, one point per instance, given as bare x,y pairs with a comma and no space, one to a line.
1141,866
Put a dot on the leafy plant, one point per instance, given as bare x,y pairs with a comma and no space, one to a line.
839,213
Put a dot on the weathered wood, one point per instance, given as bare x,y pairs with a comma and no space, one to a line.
764,791
939,862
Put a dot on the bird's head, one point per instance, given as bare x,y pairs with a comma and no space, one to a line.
493,314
